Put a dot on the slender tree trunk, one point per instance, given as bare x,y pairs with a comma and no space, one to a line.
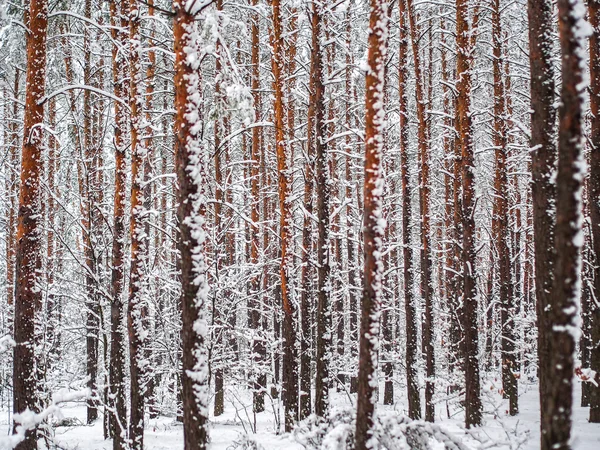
324,287
412,376
543,187
255,316
28,255
119,14
189,153
508,312
426,272
351,248
465,142
374,223
594,203
218,310
290,385
566,293
137,308
13,195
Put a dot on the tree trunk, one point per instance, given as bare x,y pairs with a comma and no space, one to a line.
323,337
508,312
28,254
137,309
593,202
290,384
465,143
189,153
412,375
543,187
13,189
255,316
566,293
426,272
120,24
374,224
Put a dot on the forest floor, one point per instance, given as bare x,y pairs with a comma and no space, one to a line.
230,429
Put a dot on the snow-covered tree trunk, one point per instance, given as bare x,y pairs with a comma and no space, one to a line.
119,31
501,216
566,293
412,376
323,187
373,226
191,164
543,186
28,252
424,201
137,310
594,202
279,66
464,64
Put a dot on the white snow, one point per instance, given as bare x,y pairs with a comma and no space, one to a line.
499,431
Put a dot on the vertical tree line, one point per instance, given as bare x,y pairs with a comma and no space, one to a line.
301,204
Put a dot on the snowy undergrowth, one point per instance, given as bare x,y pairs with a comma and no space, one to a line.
237,429
392,432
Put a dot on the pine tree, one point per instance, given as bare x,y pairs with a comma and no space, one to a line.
28,249
594,194
566,292
190,162
374,223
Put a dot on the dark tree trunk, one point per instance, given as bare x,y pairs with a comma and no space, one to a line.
255,316
426,271
543,167
119,14
469,309
137,309
323,339
501,234
412,376
594,203
566,292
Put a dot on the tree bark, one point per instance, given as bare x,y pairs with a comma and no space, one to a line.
594,202
566,294
290,384
508,313
374,224
190,161
324,287
426,271
255,316
469,308
543,167
412,375
28,253
137,308
120,25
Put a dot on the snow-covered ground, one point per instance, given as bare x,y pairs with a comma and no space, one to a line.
499,430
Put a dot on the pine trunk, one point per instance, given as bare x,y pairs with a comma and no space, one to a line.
119,14
190,154
473,410
594,203
543,187
374,224
28,253
412,375
566,293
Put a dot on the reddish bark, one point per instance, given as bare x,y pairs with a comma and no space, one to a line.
373,228
28,253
